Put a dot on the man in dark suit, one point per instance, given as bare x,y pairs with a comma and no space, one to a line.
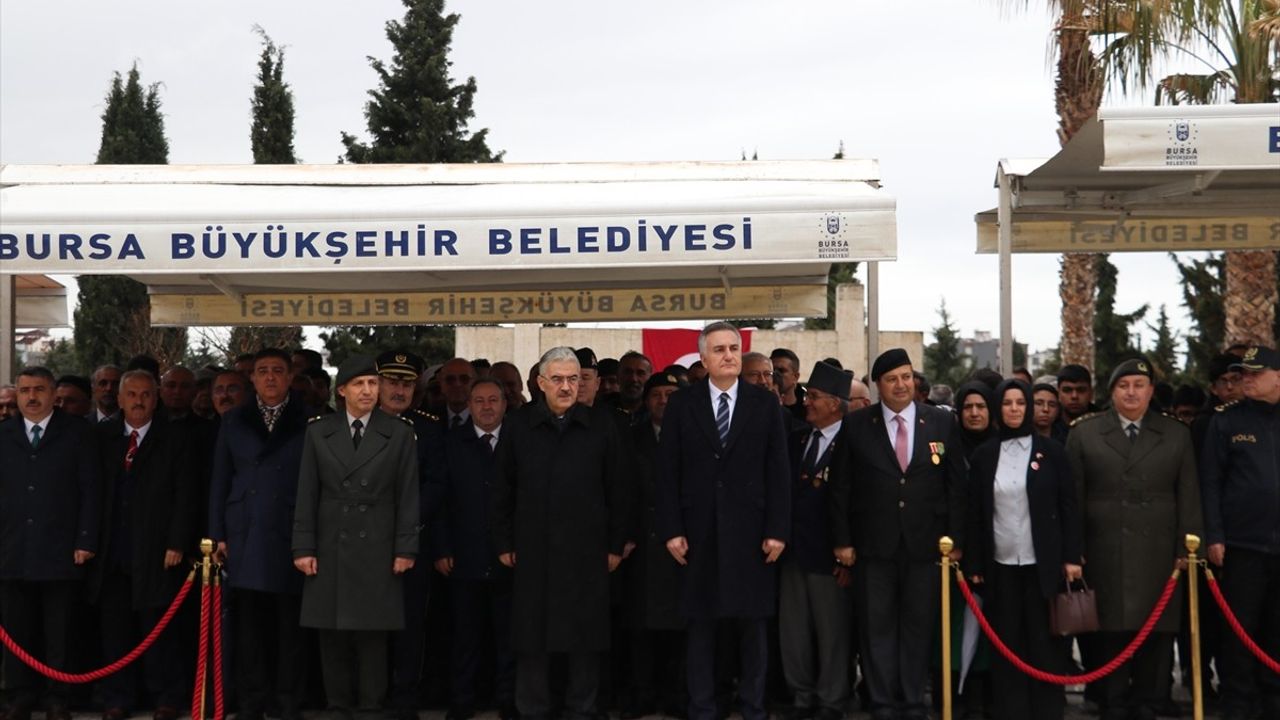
50,509
106,390
651,601
398,371
897,488
724,509
149,485
479,585
251,499
814,609
560,520
355,534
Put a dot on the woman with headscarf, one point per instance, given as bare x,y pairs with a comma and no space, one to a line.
1026,542
973,405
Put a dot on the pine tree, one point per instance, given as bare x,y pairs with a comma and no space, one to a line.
1203,284
1112,332
1164,356
112,318
415,115
272,132
943,361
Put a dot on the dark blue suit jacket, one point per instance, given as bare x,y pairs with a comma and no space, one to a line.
252,495
811,540
462,527
50,498
726,499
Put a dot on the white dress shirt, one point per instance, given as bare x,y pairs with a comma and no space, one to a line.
1011,516
493,444
825,439
909,415
142,431
715,399
44,426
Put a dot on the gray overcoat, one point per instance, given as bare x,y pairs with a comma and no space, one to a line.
356,512
1138,501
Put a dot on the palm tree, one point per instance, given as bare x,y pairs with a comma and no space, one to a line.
1238,44
1077,95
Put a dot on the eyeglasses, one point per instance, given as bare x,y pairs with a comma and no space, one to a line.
561,379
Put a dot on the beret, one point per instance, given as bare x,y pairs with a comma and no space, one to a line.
355,366
1132,366
889,360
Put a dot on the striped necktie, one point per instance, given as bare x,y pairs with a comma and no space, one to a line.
722,418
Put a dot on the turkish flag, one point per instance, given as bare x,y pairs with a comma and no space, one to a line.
678,346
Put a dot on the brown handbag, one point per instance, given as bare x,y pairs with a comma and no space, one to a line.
1073,612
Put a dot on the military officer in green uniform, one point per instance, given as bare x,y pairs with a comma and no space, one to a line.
355,534
1135,475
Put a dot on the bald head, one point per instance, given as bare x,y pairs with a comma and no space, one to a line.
178,390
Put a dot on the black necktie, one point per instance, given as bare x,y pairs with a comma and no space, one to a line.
811,455
1133,432
355,437
457,420
488,441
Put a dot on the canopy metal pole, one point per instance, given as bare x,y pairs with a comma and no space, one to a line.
1004,218
8,326
873,316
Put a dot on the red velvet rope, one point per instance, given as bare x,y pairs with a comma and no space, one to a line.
1234,622
114,667
217,649
1088,677
197,711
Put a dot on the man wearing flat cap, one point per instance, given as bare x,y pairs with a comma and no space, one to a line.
1135,475
814,610
398,372
1240,486
355,533
897,487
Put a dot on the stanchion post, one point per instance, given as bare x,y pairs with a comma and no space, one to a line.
945,546
1193,598
206,566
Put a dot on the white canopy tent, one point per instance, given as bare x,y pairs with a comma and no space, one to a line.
1137,180
408,244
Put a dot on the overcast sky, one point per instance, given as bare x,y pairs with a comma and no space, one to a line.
937,91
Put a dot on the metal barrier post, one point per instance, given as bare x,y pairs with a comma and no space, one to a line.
945,546
206,565
1193,595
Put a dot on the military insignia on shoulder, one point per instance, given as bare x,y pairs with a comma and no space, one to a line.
311,420
425,414
1224,406
1087,416
405,420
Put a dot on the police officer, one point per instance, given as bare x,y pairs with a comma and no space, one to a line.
399,371
1240,484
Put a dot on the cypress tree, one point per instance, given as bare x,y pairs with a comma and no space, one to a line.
112,318
272,132
417,114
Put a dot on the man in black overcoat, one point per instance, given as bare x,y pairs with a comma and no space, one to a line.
479,585
50,510
149,485
251,500
560,521
724,509
898,487
651,600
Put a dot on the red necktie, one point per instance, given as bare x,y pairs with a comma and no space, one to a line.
900,442
133,450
